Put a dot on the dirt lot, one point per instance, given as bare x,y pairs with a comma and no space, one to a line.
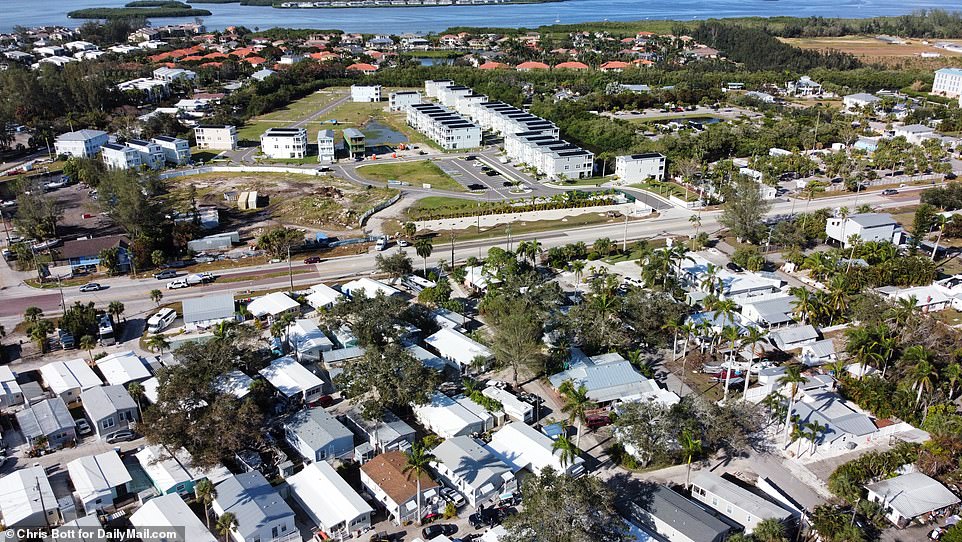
871,50
316,203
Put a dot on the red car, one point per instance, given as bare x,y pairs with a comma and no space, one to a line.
312,259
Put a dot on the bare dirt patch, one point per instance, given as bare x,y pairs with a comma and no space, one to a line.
872,50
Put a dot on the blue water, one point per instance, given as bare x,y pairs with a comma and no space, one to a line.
398,20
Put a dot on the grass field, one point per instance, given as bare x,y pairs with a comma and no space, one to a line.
446,204
671,117
442,239
667,189
416,173
870,49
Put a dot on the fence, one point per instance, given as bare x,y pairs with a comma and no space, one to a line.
379,207
240,169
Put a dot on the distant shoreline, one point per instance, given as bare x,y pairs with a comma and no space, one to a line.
352,4
131,12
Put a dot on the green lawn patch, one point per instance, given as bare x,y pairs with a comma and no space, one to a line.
415,173
666,189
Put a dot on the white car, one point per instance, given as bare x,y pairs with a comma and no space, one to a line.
179,283
161,320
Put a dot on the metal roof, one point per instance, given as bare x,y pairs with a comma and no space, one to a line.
63,376
208,307
45,418
104,401
171,511
324,494
95,476
913,494
471,462
604,379
681,514
754,505
873,220
253,501
316,428
290,377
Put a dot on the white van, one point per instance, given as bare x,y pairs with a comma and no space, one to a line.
381,243
161,320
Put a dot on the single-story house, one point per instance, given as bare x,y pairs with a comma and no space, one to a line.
790,338
449,417
10,392
735,502
433,361
330,502
323,296
209,310
771,312
50,419
521,446
460,348
99,480
27,500
174,472
308,340
450,319
69,378
819,353
110,409
844,427
930,298
514,408
670,516
388,433
85,253
293,380
171,511
472,469
272,306
260,511
234,382
610,377
368,287
317,435
122,368
909,496
344,337
384,478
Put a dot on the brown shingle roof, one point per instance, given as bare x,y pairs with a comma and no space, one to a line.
387,471
91,247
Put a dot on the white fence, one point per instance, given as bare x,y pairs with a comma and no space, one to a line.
240,169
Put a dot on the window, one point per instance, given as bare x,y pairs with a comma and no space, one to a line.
107,423
274,532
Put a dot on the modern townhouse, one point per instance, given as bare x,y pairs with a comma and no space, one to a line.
354,143
173,74
216,137
325,147
176,150
151,154
636,168
948,82
443,126
552,157
366,93
433,86
284,143
397,101
80,144
119,157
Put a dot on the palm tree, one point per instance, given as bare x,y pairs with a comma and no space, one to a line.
424,247
33,314
603,246
156,296
952,373
792,377
158,343
576,405
751,340
568,451
115,308
136,391
39,332
691,447
205,492
904,310
695,221
88,343
940,221
815,430
727,309
578,268
418,461
225,524
730,334
923,377
803,303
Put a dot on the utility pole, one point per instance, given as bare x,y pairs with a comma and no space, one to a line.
452,250
43,507
624,241
290,270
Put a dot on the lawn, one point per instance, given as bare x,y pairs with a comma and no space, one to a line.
521,228
415,173
305,107
444,204
666,189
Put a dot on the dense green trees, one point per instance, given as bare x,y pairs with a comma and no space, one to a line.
757,49
744,210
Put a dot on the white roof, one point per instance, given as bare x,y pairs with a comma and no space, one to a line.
457,346
20,495
495,534
273,304
123,367
756,506
234,382
151,389
63,376
370,287
171,511
322,295
447,417
328,496
8,382
168,469
305,336
522,446
508,400
290,377
913,494
94,476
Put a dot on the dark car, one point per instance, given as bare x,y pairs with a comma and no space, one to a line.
950,176
470,157
433,531
485,517
507,184
734,267
492,173
166,274
312,259
476,186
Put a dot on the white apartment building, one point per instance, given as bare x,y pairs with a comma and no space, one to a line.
443,126
173,74
449,95
433,86
550,156
866,227
507,119
176,150
853,102
325,146
117,156
216,137
401,99
948,82
284,142
366,93
151,154
80,144
636,168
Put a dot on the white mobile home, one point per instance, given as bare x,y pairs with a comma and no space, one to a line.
293,380
99,479
735,502
330,502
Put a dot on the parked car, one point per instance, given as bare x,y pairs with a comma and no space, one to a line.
65,338
124,435
489,517
176,284
452,497
433,531
312,259
161,320
83,428
403,243
381,243
91,287
166,274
